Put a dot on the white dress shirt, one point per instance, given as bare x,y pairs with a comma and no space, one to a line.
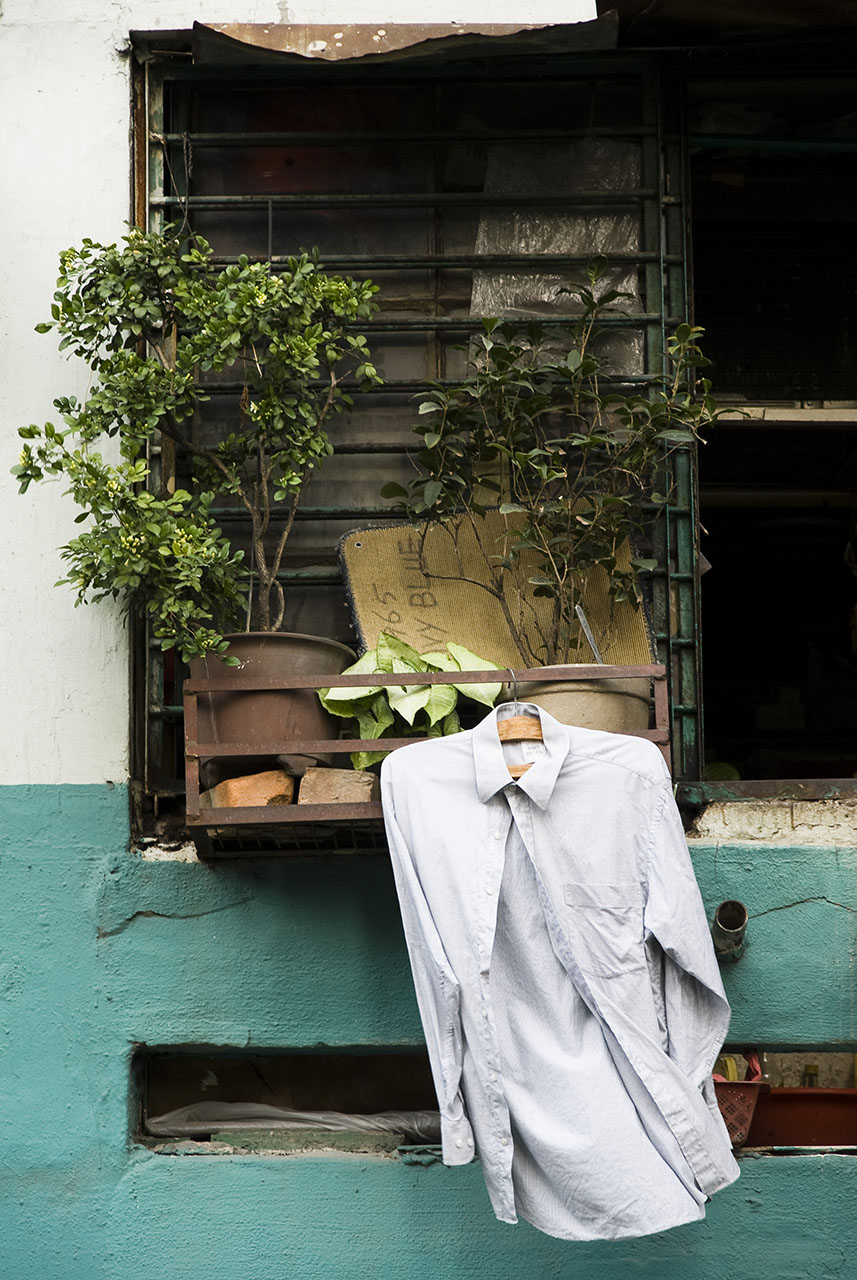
569,993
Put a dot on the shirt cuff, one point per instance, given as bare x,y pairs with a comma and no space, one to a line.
457,1140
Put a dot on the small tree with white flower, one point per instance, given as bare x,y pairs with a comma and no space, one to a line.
153,322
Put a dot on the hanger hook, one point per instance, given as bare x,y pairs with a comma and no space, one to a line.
513,680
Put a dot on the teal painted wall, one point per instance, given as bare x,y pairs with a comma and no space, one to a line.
100,951
795,984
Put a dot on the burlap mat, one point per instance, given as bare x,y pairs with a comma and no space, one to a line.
389,591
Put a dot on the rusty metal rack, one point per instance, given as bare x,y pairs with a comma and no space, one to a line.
309,829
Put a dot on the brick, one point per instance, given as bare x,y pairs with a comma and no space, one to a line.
274,786
337,786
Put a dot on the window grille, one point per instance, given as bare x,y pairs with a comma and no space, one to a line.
461,190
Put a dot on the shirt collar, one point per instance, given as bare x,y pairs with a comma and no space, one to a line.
492,771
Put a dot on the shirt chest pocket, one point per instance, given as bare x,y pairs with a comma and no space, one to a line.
605,924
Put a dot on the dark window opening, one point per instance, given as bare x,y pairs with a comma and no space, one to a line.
774,257
778,605
775,285
775,274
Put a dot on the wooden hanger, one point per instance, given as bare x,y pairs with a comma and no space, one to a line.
519,729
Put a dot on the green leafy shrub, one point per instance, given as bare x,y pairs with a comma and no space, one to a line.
534,430
154,322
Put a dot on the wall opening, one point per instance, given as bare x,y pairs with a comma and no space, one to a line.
204,1092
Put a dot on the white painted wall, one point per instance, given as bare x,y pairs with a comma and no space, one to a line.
64,103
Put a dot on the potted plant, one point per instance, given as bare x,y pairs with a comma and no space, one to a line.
395,711
540,475
157,327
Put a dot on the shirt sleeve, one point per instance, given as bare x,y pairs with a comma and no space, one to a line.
691,999
437,988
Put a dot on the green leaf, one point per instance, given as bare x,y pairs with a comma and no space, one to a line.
374,720
676,435
441,700
469,661
362,760
392,651
451,724
347,702
596,267
407,700
441,659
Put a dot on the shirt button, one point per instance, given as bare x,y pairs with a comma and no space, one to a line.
470,1142
480,947
489,889
498,835
458,1142
484,1013
493,1077
504,1142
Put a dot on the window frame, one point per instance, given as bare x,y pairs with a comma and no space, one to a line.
664,237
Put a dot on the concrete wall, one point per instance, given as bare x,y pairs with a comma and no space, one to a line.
103,948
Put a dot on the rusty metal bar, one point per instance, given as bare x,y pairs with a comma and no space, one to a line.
698,794
371,679
261,815
429,324
771,146
300,746
408,200
331,139
287,815
337,746
417,261
191,723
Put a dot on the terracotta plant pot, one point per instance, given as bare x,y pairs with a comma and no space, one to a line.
616,706
267,715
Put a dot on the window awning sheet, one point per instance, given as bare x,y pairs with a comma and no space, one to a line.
270,44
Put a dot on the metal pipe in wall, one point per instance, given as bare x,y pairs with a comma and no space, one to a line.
728,929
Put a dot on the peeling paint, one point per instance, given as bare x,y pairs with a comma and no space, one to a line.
185,852
779,822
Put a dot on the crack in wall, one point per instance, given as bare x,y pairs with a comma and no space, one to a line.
786,906
168,915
